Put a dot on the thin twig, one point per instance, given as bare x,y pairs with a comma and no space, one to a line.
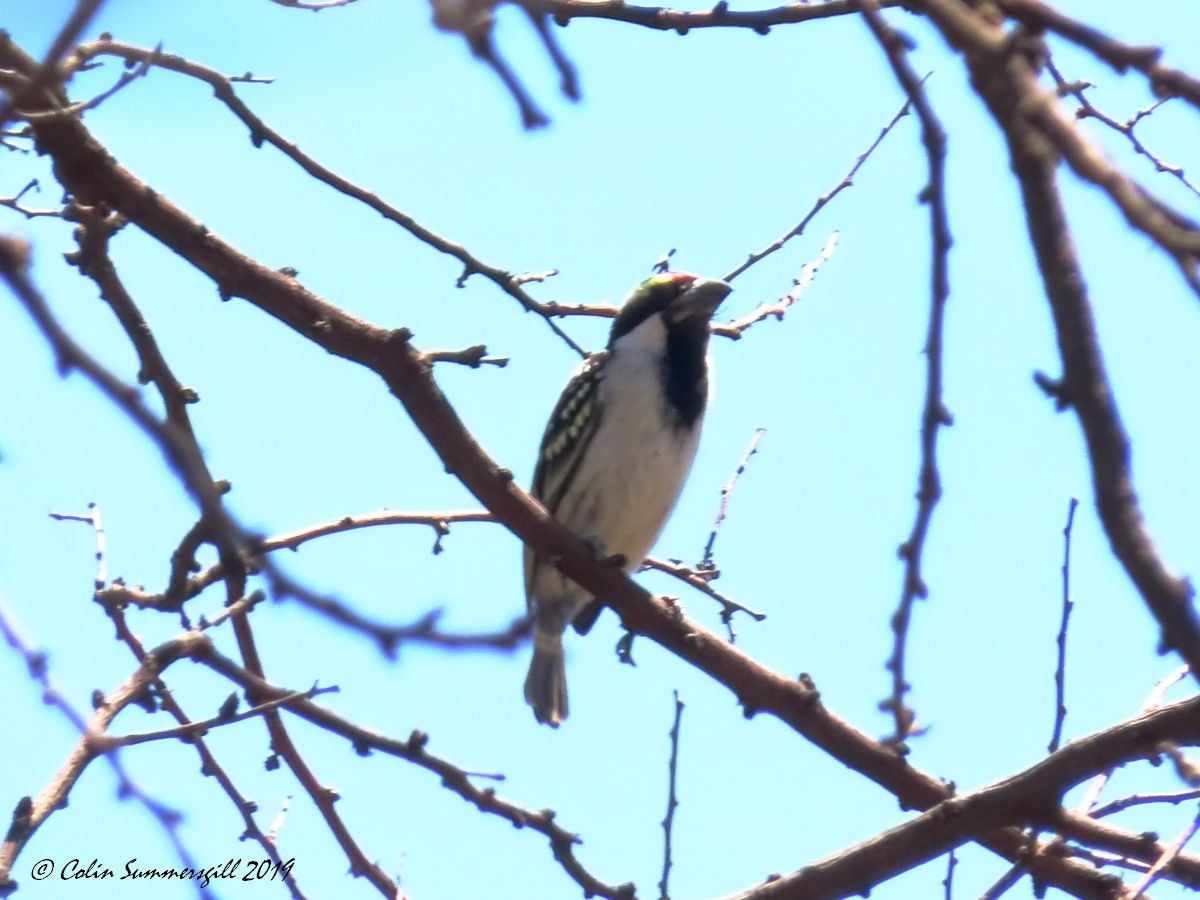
127,76
672,802
948,881
414,750
1088,110
14,203
680,21
1005,883
934,414
32,814
1038,138
702,581
92,518
823,200
1164,81
1060,670
192,730
776,310
280,817
209,766
1153,699
1124,803
1143,847
47,73
472,357
1169,855
706,563
183,454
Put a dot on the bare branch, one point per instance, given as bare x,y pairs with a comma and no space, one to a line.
127,77
1008,85
414,750
209,766
472,357
1030,797
94,176
43,78
1142,846
94,519
672,802
1166,82
1088,110
192,730
261,133
14,203
31,815
934,415
1092,795
719,16
1060,671
948,881
1124,803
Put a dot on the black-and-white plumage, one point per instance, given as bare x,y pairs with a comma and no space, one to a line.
615,455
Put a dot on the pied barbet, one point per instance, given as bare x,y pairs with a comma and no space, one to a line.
614,457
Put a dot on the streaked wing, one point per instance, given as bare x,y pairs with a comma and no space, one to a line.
570,429
571,426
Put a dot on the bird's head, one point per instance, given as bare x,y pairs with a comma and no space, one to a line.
670,301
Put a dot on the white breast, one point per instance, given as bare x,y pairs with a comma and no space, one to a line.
637,462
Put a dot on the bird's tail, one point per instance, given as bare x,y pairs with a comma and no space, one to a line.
546,683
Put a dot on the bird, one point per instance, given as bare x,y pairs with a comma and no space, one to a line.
615,455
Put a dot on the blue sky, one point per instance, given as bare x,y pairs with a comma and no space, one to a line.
713,144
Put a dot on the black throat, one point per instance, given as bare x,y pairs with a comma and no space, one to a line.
685,369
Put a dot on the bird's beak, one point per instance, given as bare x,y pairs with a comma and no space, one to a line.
701,300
